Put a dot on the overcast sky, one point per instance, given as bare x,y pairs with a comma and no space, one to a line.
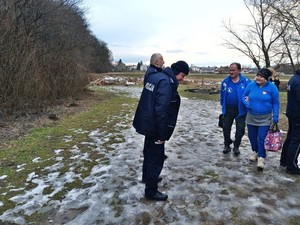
189,30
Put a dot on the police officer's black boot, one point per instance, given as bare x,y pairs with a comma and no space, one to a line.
236,151
227,149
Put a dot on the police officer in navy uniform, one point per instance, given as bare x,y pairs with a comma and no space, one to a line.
155,118
291,147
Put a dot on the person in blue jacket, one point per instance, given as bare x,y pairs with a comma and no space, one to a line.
291,146
232,88
261,98
155,118
156,64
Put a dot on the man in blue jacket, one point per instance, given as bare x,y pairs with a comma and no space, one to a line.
232,88
156,118
291,147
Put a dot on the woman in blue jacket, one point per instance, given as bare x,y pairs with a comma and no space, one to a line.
261,98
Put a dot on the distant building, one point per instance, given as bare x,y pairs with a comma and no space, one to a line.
208,69
131,67
195,69
144,67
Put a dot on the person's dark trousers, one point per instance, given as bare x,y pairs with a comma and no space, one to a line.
293,149
231,115
286,143
154,155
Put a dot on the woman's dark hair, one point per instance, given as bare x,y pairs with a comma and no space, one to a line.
238,65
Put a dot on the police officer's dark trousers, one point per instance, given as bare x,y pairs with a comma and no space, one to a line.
154,155
291,146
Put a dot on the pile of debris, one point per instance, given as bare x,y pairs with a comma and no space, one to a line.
205,85
109,80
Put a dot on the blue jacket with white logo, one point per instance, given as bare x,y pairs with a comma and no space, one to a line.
158,107
241,86
262,100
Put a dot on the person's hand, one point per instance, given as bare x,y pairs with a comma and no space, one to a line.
159,142
247,102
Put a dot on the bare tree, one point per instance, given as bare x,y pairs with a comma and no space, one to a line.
287,11
258,40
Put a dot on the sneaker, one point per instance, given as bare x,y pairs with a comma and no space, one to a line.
253,156
293,172
260,163
227,149
236,151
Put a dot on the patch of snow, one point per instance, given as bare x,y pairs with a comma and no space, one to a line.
3,177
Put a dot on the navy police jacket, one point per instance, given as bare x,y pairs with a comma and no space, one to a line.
293,97
158,107
152,69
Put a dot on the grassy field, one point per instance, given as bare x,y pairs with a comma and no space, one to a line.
36,150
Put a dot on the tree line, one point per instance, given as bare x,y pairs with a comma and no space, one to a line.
46,48
273,37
